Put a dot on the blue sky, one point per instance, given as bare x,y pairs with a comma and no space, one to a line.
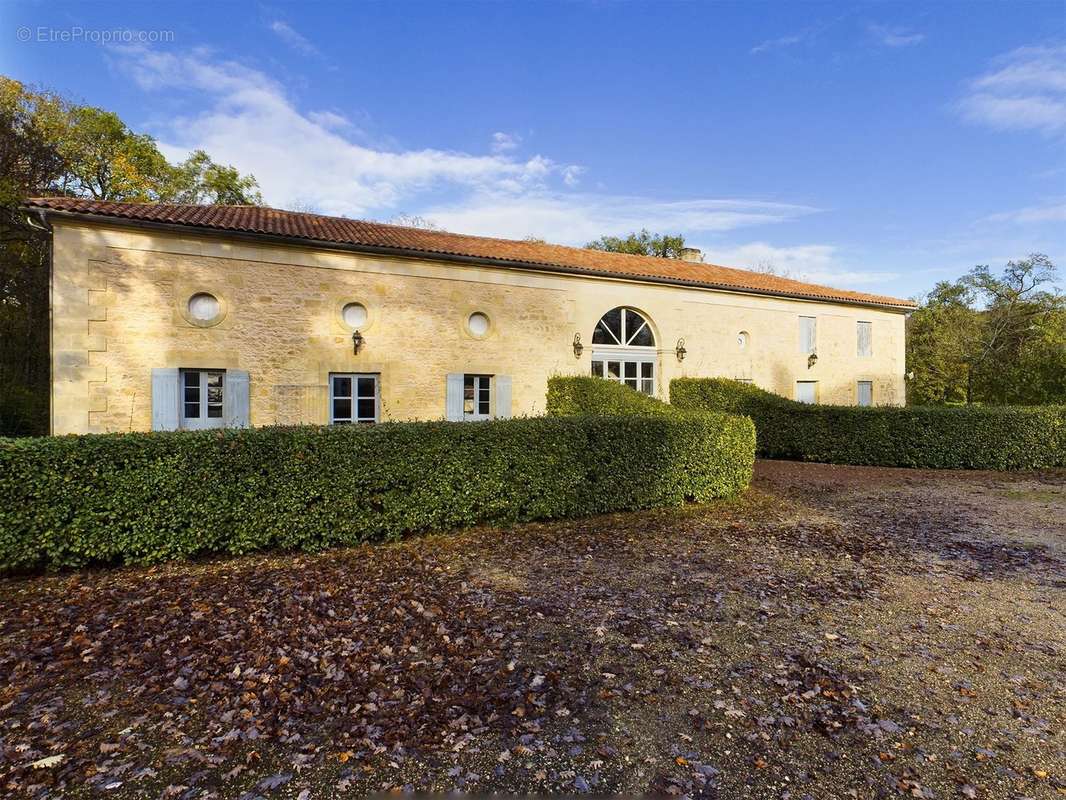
878,146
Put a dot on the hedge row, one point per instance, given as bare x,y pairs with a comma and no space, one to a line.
972,437
729,460
147,497
585,395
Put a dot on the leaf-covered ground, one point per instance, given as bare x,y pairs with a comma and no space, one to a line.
836,632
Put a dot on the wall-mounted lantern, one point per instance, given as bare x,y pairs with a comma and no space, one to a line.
680,350
578,347
812,359
357,341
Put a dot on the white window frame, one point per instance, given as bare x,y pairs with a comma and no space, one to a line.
869,338
626,340
808,344
636,368
482,390
354,397
858,393
203,419
813,385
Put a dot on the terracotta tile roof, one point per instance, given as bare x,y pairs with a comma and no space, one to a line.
357,233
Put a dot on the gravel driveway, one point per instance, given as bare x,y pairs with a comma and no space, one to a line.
835,632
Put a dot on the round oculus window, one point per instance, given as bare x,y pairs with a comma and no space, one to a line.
204,307
354,315
478,323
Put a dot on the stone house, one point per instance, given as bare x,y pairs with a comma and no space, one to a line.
171,316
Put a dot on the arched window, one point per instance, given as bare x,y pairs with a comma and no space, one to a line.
625,327
623,349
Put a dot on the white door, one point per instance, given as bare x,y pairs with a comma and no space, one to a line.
201,395
477,397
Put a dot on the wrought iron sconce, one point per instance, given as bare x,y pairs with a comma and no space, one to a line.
578,347
357,341
812,359
680,350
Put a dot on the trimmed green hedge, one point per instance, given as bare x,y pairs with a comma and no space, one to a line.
585,395
971,437
147,497
729,458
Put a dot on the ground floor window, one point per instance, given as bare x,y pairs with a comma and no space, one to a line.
202,393
354,398
807,391
865,393
636,373
477,396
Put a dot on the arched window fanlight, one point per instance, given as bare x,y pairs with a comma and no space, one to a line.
624,327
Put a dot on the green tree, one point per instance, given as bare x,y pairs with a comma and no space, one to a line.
200,181
1017,354
939,336
991,338
641,244
49,146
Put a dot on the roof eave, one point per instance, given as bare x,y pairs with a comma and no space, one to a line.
436,255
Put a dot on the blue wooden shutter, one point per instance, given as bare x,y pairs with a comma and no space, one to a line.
865,337
453,401
866,393
808,334
236,401
166,399
503,396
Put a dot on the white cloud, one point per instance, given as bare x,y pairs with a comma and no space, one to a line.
1052,212
572,175
249,121
293,38
780,42
816,263
505,142
312,159
895,37
330,119
1025,91
578,218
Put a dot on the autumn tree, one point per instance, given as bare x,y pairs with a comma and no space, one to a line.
51,146
29,160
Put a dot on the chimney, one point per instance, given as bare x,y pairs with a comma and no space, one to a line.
692,254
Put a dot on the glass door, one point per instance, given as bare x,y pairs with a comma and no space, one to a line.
635,372
201,395
477,397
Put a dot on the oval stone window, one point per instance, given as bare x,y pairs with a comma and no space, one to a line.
204,307
478,323
354,315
